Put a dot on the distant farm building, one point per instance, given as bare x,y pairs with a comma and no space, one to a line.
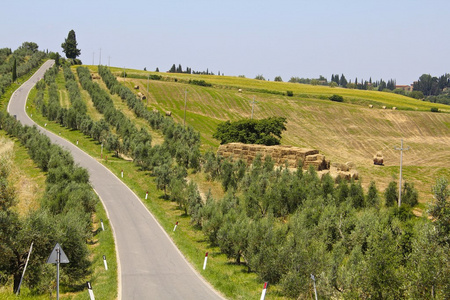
406,88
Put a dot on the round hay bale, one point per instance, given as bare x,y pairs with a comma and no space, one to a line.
350,164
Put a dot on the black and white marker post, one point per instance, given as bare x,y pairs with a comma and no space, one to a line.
263,294
90,291
206,260
146,195
104,262
121,173
175,227
56,257
101,222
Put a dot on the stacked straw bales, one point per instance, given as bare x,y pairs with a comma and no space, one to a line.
279,154
345,171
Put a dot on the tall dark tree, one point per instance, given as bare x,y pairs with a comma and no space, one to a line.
382,85
57,57
427,84
70,46
343,81
14,70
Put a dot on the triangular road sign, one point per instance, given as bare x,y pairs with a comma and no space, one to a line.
53,258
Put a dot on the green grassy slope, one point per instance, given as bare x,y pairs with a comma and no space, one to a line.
348,131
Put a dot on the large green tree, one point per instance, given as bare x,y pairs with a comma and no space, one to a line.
70,46
249,131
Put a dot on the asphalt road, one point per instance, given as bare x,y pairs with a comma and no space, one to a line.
150,265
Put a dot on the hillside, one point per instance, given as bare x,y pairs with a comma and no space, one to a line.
348,131
309,114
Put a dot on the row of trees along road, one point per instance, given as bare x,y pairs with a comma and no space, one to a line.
18,63
64,216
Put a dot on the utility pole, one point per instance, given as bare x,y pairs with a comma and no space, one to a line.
100,58
253,105
400,178
185,103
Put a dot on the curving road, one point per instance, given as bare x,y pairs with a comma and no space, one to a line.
150,265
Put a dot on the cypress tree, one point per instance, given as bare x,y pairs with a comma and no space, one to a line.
70,46
14,70
343,81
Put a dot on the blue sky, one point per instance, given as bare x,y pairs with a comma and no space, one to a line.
380,39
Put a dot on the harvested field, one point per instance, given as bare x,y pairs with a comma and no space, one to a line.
348,131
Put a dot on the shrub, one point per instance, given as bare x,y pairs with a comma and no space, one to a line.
289,93
200,82
337,98
416,95
434,109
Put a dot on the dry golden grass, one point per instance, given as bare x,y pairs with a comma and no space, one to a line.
25,177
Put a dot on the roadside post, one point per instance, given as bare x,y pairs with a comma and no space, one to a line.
90,291
206,260
263,294
57,257
104,262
